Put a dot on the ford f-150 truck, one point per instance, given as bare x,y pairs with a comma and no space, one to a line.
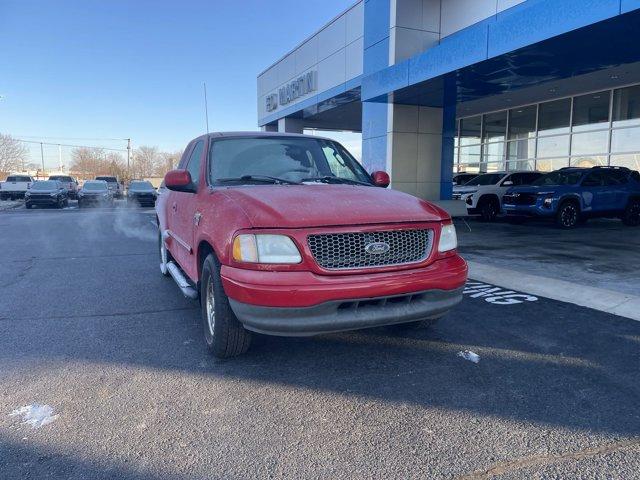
287,234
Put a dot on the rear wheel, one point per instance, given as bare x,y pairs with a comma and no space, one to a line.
489,209
568,215
631,215
223,333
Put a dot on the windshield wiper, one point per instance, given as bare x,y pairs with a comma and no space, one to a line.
258,178
332,179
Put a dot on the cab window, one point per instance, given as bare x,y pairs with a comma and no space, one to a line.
193,167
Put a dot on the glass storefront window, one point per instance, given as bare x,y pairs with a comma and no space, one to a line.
551,164
495,127
553,146
493,167
625,140
553,117
591,111
631,161
589,143
626,106
493,152
588,161
470,129
522,122
521,149
521,165
470,154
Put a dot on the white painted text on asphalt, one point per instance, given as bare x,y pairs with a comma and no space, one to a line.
496,295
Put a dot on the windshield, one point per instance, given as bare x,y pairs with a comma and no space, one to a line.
559,177
94,186
291,159
18,179
45,185
61,178
141,186
486,179
108,179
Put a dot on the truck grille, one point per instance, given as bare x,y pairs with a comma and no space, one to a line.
341,251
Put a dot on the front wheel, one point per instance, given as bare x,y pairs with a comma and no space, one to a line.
489,209
568,215
223,333
631,216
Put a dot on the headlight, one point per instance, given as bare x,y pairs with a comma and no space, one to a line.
547,202
265,248
54,194
448,238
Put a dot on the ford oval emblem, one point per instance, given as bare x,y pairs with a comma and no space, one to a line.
377,248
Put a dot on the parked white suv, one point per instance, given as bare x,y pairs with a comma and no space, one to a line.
483,194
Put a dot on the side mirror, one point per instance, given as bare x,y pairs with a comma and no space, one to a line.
179,181
507,183
380,179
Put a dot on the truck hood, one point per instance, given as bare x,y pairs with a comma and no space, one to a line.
465,189
299,206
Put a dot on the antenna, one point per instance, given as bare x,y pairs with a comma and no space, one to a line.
206,106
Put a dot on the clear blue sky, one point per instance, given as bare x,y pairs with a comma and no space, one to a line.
118,69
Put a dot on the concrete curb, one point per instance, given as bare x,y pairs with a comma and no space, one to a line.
608,301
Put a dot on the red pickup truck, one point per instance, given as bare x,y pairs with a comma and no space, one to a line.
287,234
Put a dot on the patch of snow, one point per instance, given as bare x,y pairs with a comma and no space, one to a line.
35,415
469,355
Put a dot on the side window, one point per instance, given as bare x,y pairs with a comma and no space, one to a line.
516,178
616,177
185,156
195,159
594,179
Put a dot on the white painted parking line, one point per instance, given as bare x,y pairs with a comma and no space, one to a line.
496,295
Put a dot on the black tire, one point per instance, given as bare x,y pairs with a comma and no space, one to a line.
226,337
27,206
568,215
489,209
79,204
631,216
59,204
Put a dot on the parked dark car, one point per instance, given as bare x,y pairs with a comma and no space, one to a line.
573,195
95,192
462,178
114,185
141,193
68,182
50,193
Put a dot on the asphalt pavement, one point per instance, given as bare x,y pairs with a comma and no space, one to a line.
90,327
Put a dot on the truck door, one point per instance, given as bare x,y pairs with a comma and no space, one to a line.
182,208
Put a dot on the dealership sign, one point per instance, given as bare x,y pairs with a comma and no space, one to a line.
293,90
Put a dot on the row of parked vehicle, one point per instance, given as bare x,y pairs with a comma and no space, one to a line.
569,196
59,189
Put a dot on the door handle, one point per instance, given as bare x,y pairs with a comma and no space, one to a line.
174,207
196,218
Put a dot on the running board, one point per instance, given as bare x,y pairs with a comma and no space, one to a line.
186,288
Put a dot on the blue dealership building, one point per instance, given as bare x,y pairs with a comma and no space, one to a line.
437,87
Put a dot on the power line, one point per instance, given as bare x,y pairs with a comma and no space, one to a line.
73,138
69,145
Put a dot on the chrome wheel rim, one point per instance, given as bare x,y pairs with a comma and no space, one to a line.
211,308
569,216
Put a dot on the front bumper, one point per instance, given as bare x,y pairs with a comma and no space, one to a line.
42,201
338,315
304,303
527,210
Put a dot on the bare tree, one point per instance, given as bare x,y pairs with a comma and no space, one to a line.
114,165
168,161
145,162
87,160
13,154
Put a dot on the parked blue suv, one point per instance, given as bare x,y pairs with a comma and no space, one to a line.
573,195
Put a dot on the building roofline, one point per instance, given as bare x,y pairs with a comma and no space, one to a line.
308,38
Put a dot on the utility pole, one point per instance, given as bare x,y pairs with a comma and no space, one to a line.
129,158
42,157
60,157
